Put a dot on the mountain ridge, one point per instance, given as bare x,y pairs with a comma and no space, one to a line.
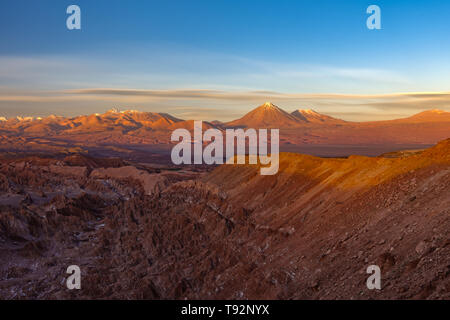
116,130
311,116
306,115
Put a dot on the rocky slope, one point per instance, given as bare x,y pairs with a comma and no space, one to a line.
309,232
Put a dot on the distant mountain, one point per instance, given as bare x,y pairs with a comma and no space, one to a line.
128,131
267,115
111,121
124,120
428,116
311,116
104,132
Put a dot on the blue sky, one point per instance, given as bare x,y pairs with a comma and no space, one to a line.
219,59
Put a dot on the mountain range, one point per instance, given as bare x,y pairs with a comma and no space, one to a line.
269,115
301,130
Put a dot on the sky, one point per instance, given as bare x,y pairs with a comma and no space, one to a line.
209,60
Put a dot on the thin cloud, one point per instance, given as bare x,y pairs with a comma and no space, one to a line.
415,100
224,105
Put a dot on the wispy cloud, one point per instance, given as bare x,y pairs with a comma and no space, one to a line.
408,101
253,95
193,68
219,86
226,105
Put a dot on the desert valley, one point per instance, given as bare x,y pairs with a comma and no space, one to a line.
99,192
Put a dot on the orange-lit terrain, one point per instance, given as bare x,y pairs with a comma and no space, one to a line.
159,232
145,136
224,155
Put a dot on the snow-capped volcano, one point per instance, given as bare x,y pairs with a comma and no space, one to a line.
311,116
267,115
